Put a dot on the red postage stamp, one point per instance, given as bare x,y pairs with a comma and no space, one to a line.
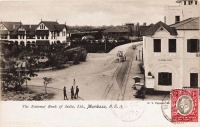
184,105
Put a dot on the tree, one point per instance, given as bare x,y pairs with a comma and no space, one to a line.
16,75
7,53
46,82
14,50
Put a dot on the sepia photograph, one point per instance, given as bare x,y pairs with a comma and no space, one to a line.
98,53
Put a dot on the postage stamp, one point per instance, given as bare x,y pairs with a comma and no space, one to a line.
184,105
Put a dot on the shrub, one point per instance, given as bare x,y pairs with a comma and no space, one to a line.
76,54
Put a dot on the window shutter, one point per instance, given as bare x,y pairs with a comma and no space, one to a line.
188,45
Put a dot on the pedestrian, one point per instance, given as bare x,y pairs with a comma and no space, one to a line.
72,92
74,88
65,93
77,90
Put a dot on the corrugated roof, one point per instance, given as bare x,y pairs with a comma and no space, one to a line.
60,27
11,26
50,25
30,29
188,24
151,31
143,29
116,30
53,26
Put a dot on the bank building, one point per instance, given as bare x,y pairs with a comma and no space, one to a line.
172,49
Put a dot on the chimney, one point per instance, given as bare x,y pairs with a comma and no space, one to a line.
13,26
29,26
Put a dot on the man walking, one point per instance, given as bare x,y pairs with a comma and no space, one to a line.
77,90
65,93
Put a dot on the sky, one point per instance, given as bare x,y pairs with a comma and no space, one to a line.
84,12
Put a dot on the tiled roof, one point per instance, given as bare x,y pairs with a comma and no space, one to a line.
143,29
11,26
60,27
116,30
188,24
53,26
151,31
30,29
50,25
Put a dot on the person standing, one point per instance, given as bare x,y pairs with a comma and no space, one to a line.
72,92
65,93
74,88
77,90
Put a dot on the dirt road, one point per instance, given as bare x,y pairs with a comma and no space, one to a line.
96,77
117,89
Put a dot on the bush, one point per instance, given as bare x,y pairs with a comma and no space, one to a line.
76,54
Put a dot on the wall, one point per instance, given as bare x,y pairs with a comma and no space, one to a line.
184,11
180,64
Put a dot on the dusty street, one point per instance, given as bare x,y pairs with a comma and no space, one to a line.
101,77
95,77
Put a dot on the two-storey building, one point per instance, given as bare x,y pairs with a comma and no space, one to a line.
171,55
45,33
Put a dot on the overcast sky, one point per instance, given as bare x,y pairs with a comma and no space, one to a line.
84,12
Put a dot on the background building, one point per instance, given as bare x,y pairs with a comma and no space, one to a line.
186,9
45,33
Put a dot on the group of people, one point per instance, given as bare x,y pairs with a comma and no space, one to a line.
74,92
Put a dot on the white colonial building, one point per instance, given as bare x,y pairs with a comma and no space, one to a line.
46,32
171,55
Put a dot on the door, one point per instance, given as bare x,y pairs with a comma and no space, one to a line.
194,80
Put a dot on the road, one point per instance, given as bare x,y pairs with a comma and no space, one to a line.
99,78
116,91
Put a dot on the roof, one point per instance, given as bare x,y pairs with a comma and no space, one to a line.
30,29
116,30
60,27
11,25
53,26
143,29
188,24
151,31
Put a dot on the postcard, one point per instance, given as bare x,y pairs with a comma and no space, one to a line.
115,63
